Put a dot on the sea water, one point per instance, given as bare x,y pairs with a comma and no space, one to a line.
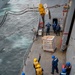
16,36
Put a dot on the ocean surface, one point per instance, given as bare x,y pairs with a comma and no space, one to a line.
16,36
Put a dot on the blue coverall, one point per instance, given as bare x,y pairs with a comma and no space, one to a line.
48,28
58,29
55,65
54,27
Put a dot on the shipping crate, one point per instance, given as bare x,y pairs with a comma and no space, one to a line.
49,43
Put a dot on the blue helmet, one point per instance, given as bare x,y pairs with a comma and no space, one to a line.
63,70
68,64
53,57
23,73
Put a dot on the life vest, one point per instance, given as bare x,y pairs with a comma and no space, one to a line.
39,71
35,64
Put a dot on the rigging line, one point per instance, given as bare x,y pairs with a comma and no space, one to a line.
6,13
55,6
18,11
4,18
29,10
24,9
23,12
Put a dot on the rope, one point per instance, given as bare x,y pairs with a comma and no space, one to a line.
23,12
31,9
24,9
4,19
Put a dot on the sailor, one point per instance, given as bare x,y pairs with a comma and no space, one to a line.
48,28
36,61
68,67
54,27
54,64
58,28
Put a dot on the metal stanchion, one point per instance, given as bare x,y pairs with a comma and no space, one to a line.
43,24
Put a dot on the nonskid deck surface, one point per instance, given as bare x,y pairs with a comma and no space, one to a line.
45,57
